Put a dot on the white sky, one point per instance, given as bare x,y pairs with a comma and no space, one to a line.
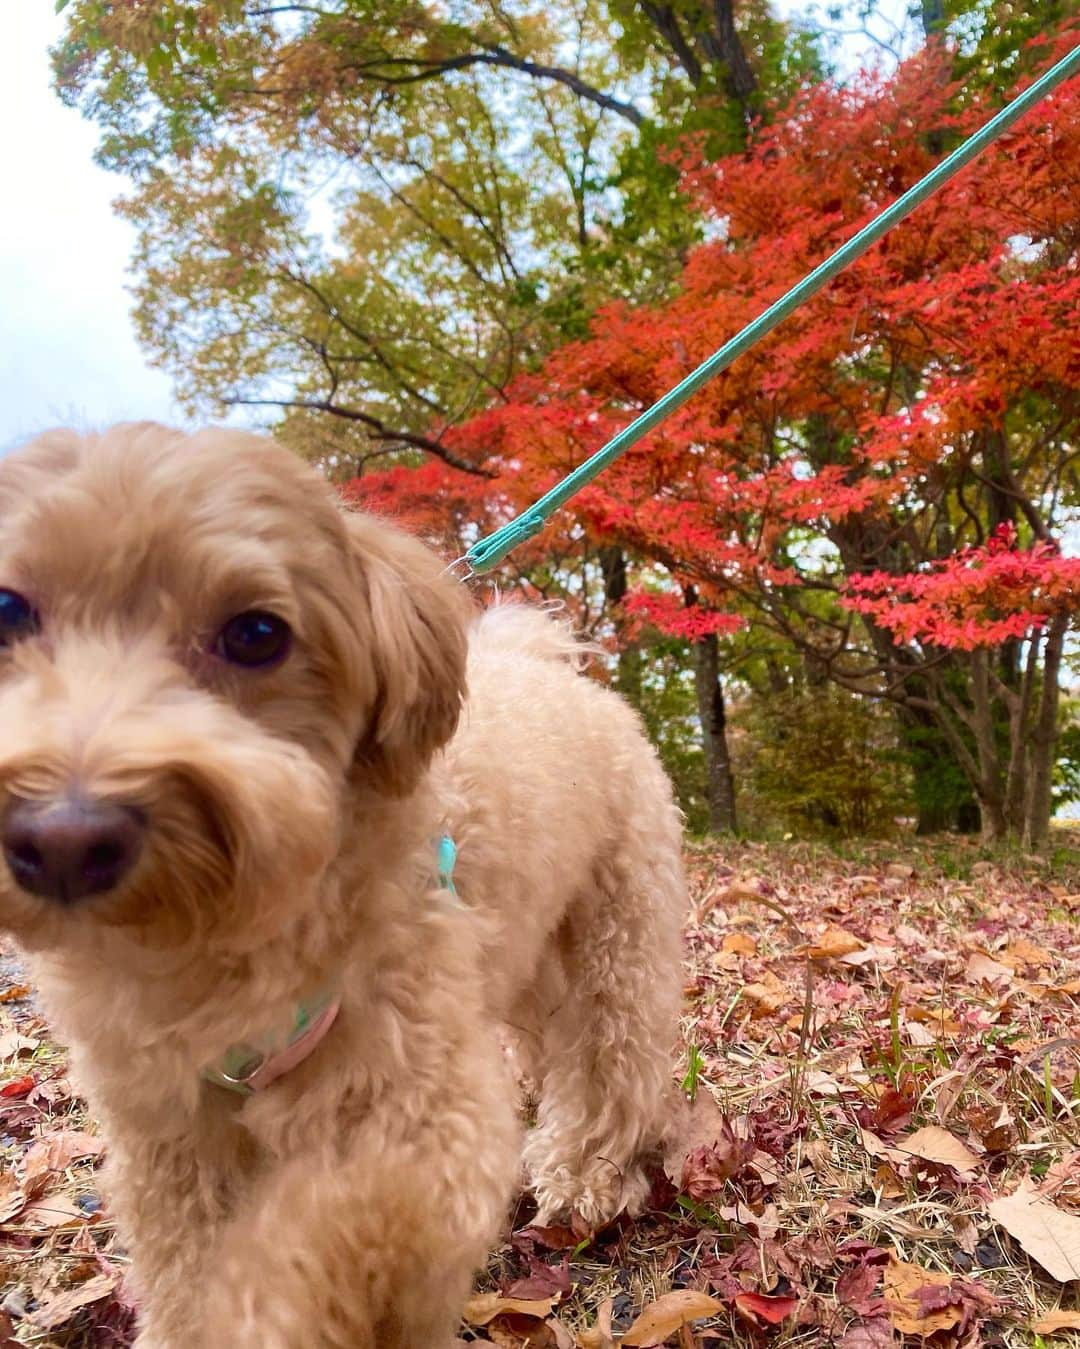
67,348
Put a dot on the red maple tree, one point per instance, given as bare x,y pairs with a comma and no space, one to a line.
886,479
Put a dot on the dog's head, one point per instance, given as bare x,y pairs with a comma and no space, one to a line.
202,659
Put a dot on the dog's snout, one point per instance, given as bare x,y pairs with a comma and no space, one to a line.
69,847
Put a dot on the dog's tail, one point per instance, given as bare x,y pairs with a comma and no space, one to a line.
541,631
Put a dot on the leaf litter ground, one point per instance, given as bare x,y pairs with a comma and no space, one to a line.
877,1138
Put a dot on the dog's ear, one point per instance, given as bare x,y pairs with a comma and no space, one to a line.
417,646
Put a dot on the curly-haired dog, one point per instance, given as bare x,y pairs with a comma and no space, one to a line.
227,758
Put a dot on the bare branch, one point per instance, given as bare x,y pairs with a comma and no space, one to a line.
377,429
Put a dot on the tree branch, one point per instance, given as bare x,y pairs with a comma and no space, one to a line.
496,56
378,429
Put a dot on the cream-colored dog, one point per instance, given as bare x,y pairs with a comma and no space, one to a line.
237,725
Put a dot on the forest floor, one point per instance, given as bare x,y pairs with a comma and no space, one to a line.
879,1142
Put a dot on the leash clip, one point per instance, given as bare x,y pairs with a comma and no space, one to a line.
461,569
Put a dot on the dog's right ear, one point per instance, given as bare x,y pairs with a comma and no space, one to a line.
419,618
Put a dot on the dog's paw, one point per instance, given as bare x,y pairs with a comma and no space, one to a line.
595,1191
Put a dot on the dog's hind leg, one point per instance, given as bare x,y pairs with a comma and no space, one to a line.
607,1051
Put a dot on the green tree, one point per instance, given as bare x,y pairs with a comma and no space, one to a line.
374,215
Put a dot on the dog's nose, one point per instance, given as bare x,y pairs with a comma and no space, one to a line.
68,848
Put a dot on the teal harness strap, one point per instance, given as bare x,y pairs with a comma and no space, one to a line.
488,552
446,861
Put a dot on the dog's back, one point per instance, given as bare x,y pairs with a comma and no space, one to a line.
570,856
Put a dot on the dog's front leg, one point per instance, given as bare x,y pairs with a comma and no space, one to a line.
367,1246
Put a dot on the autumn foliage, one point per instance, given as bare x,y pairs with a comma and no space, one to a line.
886,479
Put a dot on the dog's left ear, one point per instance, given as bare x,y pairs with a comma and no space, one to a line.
419,619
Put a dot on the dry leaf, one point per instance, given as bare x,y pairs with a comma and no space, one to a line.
1049,1235
563,1338
521,1332
56,1152
1046,1325
902,1285
1023,952
12,1198
668,1314
598,1336
484,1307
834,941
759,1307
56,1211
64,1306
982,968
767,996
698,1124
14,1042
738,943
935,1144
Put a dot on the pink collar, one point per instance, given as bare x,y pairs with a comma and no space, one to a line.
251,1066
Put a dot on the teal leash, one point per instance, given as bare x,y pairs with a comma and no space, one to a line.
489,551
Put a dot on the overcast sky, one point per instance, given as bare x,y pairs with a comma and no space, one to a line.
67,350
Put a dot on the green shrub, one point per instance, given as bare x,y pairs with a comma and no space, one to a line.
820,761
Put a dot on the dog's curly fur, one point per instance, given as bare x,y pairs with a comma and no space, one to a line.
292,814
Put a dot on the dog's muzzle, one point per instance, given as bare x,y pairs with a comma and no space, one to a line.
68,848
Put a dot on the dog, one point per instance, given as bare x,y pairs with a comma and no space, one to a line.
243,733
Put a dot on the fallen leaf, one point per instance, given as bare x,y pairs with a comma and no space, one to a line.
12,1198
484,1307
982,968
521,1332
18,1086
874,1333
857,1287
1022,952
668,1314
698,1124
708,1169
542,1281
1048,1234
893,1108
56,1211
554,1238
563,1338
738,943
834,941
599,1336
56,1152
935,1144
758,1307
903,1285
1052,1321
13,1042
768,995
64,1306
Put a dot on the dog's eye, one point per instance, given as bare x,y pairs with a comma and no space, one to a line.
18,617
254,638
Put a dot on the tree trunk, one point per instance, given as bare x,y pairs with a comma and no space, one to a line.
720,785
631,661
1044,738
989,785
932,13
